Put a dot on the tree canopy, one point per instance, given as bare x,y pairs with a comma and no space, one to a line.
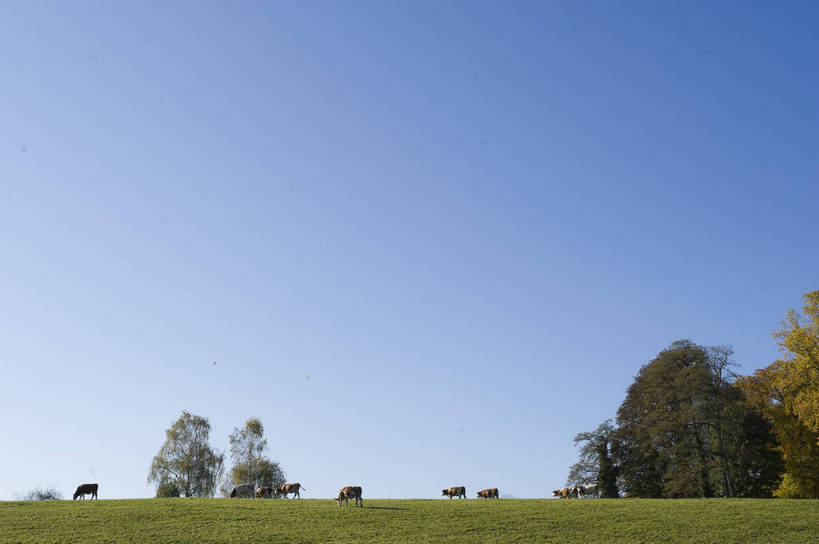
595,465
250,463
186,458
786,395
685,431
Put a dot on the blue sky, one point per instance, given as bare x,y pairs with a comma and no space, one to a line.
425,243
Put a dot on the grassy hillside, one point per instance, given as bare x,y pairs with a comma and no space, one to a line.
510,520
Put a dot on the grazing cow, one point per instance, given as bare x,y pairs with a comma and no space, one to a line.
350,492
491,493
86,489
284,489
584,491
458,491
244,490
265,492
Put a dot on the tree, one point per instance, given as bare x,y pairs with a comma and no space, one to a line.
186,459
685,431
595,465
797,375
250,464
785,395
798,444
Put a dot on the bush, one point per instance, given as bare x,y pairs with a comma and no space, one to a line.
37,494
167,490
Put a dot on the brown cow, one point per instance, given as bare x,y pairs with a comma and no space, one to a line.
265,492
458,491
350,492
491,493
86,489
284,489
564,493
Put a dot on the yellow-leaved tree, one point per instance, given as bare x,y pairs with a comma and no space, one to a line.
797,375
786,393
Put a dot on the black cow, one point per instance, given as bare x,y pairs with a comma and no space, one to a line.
86,489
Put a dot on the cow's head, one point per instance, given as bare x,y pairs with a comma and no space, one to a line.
445,492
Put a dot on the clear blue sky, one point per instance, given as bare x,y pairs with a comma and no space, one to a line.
425,243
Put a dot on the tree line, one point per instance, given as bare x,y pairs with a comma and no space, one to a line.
186,465
690,427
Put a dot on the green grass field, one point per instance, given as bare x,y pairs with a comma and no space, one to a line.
433,521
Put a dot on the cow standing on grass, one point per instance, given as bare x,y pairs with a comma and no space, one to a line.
86,489
350,492
265,492
491,493
458,491
565,493
284,489
244,490
584,491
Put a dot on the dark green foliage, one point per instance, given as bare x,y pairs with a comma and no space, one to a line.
595,465
167,490
685,431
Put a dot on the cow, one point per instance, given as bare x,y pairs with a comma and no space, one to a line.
584,491
565,493
458,491
265,492
284,489
244,490
491,493
86,489
350,492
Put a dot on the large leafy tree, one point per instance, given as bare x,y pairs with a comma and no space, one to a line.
685,431
250,463
798,443
186,458
595,465
786,395
797,374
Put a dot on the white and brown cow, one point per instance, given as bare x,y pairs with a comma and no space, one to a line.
491,493
565,493
284,489
265,492
350,492
584,491
457,491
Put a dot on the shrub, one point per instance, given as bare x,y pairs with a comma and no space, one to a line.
167,490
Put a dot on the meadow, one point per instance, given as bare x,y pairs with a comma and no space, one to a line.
198,521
